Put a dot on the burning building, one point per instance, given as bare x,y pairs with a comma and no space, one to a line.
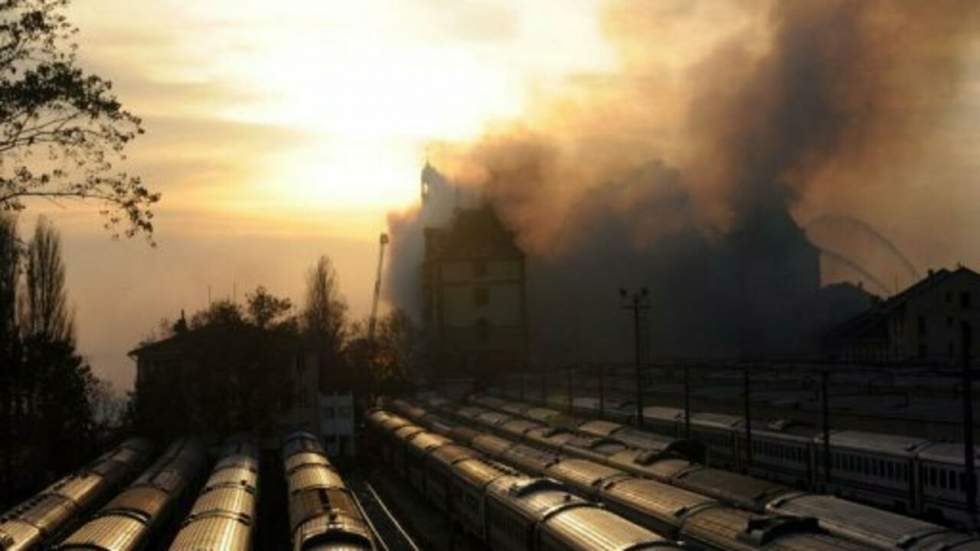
473,305
694,183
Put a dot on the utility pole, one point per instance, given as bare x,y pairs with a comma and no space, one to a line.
571,389
637,302
748,416
825,407
971,475
687,401
602,391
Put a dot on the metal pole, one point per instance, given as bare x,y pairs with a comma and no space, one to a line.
748,417
687,401
825,414
571,389
544,385
602,391
639,388
971,475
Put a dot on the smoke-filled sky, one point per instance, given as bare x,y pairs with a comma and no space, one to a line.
280,131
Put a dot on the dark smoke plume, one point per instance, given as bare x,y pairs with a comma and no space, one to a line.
686,171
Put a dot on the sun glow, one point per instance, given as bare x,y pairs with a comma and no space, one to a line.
357,88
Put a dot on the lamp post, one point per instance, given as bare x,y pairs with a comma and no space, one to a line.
636,301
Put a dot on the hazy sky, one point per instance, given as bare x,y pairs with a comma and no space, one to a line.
279,131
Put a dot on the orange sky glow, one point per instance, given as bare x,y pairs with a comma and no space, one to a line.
281,131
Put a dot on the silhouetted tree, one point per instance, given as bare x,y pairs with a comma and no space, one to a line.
46,386
61,413
325,312
220,312
324,316
52,110
265,308
44,301
9,339
391,359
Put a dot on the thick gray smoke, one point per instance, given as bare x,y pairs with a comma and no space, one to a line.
797,100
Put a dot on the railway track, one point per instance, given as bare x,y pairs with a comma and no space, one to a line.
392,536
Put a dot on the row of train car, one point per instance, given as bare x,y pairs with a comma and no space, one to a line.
661,484
506,510
324,515
141,516
54,511
138,515
907,474
224,514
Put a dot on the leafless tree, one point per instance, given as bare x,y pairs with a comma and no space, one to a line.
44,307
325,313
9,338
62,129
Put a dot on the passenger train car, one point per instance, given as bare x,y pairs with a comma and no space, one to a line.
504,509
132,519
907,474
700,521
223,517
56,509
674,488
323,513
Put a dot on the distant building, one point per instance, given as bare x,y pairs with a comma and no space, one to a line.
226,377
923,322
474,304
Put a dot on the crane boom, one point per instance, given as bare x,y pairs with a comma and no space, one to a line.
382,241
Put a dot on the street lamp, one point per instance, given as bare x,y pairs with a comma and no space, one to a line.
636,301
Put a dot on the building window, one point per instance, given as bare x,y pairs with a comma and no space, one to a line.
480,268
949,322
922,325
482,330
481,296
965,299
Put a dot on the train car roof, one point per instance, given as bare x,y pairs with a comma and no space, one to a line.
716,420
947,452
583,473
553,436
519,426
738,489
585,402
529,458
477,472
663,413
663,469
452,453
541,414
533,497
787,429
596,528
469,412
873,442
426,441
599,427
596,444
494,446
644,439
515,408
233,532
656,499
868,525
